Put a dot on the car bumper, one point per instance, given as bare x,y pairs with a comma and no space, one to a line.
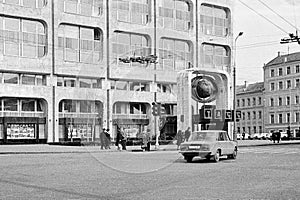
201,154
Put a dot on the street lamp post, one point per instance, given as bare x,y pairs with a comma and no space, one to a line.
234,88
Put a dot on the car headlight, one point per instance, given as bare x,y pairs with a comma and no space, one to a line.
205,147
183,147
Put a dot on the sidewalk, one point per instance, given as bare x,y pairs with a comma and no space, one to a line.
56,149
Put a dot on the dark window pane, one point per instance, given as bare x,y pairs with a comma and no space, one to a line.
10,105
28,105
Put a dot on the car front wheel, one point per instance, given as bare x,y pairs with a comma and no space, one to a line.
188,158
216,157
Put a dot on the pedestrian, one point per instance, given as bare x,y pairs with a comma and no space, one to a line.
278,136
179,138
144,140
148,140
107,139
102,138
187,134
123,139
274,136
243,135
118,138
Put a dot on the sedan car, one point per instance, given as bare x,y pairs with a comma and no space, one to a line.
209,144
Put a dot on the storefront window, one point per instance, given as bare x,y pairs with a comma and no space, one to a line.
20,131
80,131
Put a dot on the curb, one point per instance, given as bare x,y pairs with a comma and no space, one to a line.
129,150
271,144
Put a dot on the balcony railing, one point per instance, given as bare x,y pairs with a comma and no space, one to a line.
130,116
78,115
21,114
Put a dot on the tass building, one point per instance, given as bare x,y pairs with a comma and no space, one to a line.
72,67
204,100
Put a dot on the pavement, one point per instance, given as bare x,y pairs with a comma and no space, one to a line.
55,149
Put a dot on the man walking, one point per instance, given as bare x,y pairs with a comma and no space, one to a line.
187,134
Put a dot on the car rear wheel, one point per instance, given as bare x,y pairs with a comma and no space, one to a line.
188,158
216,157
233,155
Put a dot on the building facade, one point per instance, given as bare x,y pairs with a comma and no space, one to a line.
250,101
282,93
71,67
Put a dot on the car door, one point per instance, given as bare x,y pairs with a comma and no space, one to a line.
221,142
228,143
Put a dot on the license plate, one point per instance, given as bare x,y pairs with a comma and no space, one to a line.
194,147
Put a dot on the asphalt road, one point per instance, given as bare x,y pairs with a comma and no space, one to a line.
270,172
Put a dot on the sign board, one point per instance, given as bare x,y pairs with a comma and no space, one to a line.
228,114
238,114
207,113
218,114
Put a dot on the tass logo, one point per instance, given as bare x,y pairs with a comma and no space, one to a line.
204,89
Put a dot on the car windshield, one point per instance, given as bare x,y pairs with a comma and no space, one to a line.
203,136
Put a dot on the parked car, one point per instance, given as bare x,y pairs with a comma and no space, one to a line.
239,136
284,135
209,144
261,136
266,136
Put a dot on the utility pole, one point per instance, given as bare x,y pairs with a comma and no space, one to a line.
234,88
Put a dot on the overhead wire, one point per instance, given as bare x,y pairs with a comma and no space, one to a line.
261,15
255,45
277,14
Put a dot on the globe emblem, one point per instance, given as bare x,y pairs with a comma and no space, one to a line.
204,89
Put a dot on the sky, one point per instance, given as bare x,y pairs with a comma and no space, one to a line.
263,23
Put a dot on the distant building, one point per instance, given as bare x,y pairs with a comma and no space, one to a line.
250,101
282,93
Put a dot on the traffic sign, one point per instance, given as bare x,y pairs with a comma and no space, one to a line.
228,114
